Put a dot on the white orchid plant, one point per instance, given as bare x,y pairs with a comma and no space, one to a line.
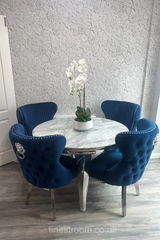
78,85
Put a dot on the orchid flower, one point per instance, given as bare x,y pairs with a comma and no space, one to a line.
78,84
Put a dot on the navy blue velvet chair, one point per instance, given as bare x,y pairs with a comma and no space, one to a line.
127,166
41,161
126,113
34,114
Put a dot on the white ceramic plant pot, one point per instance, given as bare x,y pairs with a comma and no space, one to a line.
82,126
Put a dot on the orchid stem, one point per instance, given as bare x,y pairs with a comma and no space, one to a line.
84,98
80,101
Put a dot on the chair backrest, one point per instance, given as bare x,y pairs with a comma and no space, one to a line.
33,114
126,113
39,158
136,148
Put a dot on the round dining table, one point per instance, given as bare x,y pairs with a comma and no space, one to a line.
100,137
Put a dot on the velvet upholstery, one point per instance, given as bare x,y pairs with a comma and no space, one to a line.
126,113
32,115
127,166
43,165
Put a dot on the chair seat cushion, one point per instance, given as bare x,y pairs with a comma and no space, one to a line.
102,163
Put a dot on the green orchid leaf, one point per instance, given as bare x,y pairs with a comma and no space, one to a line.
83,115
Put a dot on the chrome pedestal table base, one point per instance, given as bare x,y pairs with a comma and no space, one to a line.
83,180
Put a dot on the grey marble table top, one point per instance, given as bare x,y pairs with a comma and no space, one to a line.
100,136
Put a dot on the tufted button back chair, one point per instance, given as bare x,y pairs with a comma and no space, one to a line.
126,113
127,166
34,114
41,161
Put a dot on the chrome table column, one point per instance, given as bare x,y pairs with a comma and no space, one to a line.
83,181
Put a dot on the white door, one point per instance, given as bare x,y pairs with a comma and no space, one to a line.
7,96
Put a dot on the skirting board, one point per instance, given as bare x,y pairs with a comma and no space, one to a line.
155,155
7,157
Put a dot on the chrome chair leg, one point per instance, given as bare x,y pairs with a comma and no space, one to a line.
124,200
53,205
137,188
83,180
28,194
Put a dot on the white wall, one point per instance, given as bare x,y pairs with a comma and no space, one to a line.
155,114
119,40
155,103
157,149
